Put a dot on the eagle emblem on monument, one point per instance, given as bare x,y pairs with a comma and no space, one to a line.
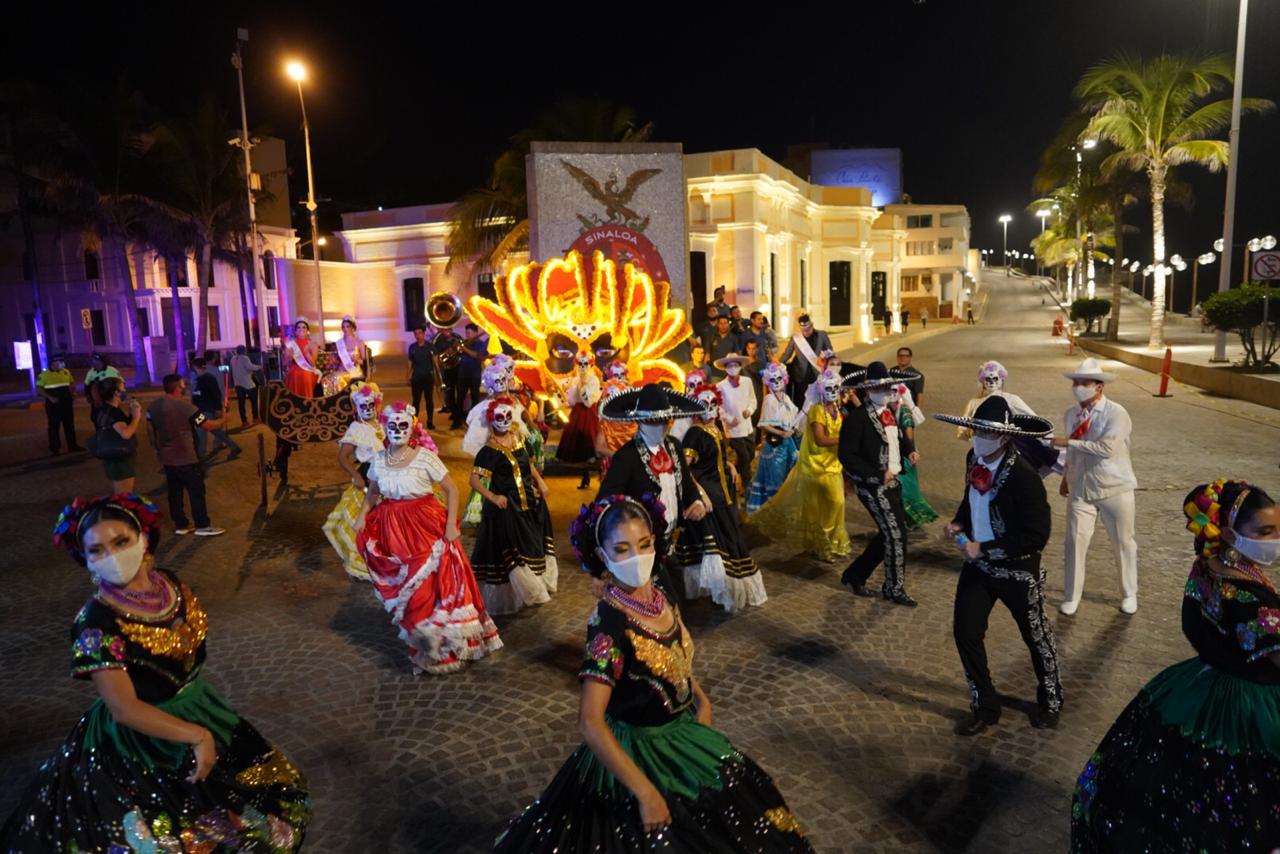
615,199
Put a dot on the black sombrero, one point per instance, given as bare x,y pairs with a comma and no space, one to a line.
651,403
995,416
876,375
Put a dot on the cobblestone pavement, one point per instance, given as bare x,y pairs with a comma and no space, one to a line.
849,703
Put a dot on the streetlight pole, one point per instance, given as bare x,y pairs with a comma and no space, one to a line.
298,72
1005,219
255,281
1233,156
1201,260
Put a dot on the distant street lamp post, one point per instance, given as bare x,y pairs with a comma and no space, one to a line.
1043,214
1201,260
298,72
1005,219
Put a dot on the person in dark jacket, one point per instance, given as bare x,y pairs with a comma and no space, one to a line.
872,451
1004,519
209,399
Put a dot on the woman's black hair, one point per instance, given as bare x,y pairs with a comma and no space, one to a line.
107,388
106,513
1256,501
594,525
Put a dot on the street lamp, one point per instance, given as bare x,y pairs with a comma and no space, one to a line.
1233,165
1201,260
1005,219
1177,263
298,72
1257,244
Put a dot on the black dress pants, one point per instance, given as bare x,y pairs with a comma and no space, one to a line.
466,395
889,545
61,416
188,479
424,386
1021,590
449,388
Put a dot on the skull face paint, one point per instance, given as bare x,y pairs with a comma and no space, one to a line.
503,416
708,398
992,376
692,380
829,386
775,377
583,361
618,371
398,425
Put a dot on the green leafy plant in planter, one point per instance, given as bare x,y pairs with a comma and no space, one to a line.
1240,310
1090,310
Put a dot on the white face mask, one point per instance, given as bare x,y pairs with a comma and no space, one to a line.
879,397
1084,392
992,383
632,572
651,434
399,429
985,447
1264,553
733,370
120,566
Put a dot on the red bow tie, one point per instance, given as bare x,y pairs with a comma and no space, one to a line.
660,462
980,478
887,419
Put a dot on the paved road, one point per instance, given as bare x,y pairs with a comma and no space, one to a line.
850,703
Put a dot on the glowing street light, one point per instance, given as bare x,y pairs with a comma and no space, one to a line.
1201,260
297,72
1005,219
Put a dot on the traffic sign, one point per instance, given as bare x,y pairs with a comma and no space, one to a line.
86,319
1266,266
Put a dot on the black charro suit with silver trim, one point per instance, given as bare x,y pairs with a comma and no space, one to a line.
1008,571
864,456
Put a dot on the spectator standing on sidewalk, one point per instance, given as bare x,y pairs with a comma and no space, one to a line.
420,373
99,369
242,371
55,388
122,414
924,318
170,423
208,398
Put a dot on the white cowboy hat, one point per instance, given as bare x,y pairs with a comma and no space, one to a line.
732,359
1090,369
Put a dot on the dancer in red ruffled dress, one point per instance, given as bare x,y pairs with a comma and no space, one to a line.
416,563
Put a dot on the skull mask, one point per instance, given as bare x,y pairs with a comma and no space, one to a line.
583,361
398,425
992,376
495,380
618,371
502,417
367,408
775,380
692,380
829,385
708,399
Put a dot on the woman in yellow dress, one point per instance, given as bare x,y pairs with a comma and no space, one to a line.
356,449
809,508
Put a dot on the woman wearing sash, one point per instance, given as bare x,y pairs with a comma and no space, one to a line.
353,354
801,356
302,375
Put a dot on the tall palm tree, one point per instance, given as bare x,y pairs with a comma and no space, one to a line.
1156,114
96,182
201,181
489,223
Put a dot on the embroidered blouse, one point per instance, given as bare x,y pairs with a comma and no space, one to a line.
366,438
651,672
413,480
1233,624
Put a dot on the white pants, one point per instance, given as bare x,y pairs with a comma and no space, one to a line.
1117,515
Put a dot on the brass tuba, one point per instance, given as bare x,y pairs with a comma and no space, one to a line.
444,310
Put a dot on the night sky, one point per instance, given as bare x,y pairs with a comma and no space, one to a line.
409,102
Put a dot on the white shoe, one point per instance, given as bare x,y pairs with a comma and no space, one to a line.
1069,607
1129,605
209,532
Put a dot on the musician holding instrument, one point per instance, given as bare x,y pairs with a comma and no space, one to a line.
472,354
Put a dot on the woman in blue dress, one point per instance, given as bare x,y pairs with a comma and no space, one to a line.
778,416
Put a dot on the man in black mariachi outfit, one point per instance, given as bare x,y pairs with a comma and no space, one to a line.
652,461
872,451
1004,517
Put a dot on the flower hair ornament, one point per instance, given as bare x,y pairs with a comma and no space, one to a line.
67,531
584,531
1204,515
494,403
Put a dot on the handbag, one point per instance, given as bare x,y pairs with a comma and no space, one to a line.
107,444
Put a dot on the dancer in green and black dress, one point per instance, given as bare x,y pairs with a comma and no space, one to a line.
514,558
160,762
652,774
1193,763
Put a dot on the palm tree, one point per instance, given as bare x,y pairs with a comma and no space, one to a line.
1155,113
489,223
172,235
202,183
95,183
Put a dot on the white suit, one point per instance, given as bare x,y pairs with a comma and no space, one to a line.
1099,475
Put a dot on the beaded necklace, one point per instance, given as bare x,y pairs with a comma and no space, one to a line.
158,591
651,609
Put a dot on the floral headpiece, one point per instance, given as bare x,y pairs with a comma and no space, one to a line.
584,533
709,389
366,391
67,533
492,376
773,372
420,438
1204,515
